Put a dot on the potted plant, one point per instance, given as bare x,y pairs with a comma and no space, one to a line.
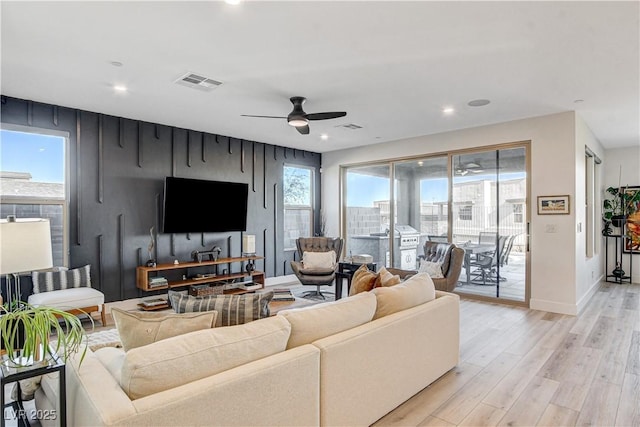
25,333
618,207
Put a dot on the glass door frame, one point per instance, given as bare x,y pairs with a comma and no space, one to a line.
450,170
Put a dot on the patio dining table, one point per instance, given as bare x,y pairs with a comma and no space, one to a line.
474,248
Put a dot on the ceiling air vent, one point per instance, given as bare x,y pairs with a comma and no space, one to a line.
197,81
351,126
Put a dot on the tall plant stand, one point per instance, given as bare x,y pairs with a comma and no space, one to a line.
619,257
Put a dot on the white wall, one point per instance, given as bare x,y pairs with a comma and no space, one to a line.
589,270
629,159
553,171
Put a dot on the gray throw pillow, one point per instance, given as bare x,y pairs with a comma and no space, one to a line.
232,309
57,280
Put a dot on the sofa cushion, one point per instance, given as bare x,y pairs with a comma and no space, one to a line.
362,280
67,299
232,309
433,269
438,252
56,280
309,324
416,290
200,354
141,328
113,359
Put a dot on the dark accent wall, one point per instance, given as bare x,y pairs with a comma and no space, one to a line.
117,170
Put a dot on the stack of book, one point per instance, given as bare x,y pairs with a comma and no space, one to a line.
249,286
153,302
157,282
283,294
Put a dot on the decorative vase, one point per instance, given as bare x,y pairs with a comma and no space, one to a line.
618,271
618,220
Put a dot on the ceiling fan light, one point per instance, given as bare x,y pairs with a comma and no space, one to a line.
298,122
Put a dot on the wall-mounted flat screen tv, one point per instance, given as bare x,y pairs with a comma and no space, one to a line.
200,206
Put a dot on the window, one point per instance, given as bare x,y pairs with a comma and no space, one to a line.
33,180
518,213
465,213
298,204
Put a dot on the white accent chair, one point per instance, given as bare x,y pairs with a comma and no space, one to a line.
68,290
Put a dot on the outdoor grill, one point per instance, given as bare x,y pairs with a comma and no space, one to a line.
405,246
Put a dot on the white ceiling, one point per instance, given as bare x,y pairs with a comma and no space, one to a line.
392,66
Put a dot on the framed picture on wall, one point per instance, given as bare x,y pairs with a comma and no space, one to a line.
553,205
632,242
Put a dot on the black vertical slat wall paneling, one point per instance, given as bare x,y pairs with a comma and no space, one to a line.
275,229
79,218
121,132
100,158
140,144
100,263
264,176
188,149
121,238
116,174
203,142
264,249
242,155
253,166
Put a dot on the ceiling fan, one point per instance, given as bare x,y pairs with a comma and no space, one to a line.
464,168
299,119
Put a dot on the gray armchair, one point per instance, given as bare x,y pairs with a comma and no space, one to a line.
449,255
316,277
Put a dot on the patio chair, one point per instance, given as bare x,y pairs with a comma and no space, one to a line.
487,265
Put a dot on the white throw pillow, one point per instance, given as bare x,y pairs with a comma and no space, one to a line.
319,260
433,269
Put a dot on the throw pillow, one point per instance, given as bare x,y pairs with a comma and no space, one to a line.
184,359
141,328
57,280
232,309
319,260
385,278
362,280
309,324
433,269
414,291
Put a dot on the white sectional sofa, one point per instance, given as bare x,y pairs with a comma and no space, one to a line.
322,373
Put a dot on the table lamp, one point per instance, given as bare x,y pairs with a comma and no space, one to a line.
25,246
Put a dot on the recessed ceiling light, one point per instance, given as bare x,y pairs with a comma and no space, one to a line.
578,101
324,137
232,2
119,88
420,163
448,110
116,63
478,103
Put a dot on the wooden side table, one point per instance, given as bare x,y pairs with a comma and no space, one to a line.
345,271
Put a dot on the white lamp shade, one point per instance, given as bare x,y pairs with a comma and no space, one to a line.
25,245
249,244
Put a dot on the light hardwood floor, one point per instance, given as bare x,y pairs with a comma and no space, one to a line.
521,367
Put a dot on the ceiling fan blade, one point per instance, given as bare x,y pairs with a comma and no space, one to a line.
326,116
303,130
264,117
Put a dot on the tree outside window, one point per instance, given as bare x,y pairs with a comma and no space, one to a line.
298,206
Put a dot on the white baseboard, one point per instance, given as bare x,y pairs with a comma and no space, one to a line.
585,299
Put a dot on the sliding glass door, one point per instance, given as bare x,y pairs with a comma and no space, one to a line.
367,215
490,215
477,199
